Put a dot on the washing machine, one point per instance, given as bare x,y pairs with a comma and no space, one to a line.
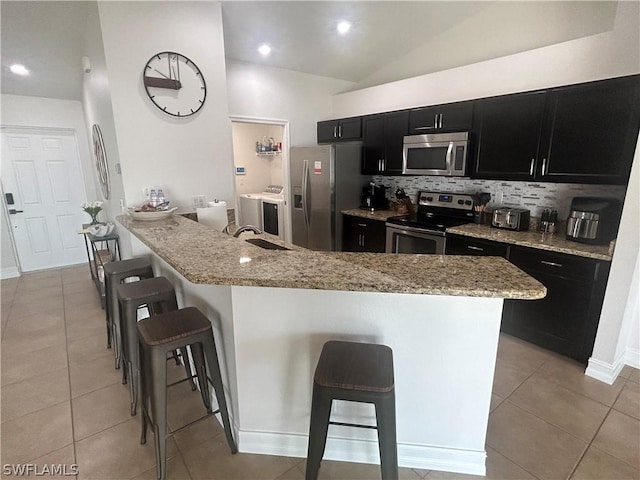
265,210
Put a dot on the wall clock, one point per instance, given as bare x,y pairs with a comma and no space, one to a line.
101,161
174,84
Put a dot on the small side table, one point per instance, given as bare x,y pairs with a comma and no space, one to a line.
100,250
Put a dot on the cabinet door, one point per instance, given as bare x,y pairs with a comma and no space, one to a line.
373,145
350,129
508,136
591,132
351,238
363,235
457,116
396,127
327,131
460,245
422,120
450,117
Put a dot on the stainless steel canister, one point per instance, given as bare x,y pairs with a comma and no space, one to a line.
582,224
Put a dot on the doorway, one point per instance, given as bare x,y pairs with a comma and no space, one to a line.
260,157
44,192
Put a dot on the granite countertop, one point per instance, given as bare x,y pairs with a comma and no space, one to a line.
205,256
380,215
555,242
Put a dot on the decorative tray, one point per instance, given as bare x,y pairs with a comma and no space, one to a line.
158,215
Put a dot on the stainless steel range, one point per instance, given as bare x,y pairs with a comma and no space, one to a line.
424,231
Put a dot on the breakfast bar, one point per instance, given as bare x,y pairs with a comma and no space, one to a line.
272,310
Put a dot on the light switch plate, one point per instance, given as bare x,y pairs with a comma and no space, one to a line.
199,201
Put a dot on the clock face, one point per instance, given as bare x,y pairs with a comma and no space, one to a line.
174,84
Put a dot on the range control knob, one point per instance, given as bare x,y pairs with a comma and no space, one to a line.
467,202
429,199
460,202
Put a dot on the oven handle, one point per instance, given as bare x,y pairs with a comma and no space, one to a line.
414,230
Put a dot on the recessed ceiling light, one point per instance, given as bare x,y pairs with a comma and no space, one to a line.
19,69
264,49
343,27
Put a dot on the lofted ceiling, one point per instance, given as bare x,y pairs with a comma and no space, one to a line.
388,41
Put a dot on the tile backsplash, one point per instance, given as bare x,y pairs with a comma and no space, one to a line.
534,196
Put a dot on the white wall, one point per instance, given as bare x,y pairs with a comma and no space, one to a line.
186,156
265,92
97,108
610,54
18,110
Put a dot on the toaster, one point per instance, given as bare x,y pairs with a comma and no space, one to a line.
511,218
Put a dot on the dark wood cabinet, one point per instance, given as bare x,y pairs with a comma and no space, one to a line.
590,132
508,134
341,130
363,235
582,133
383,140
461,245
566,320
450,117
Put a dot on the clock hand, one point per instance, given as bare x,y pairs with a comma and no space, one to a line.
162,74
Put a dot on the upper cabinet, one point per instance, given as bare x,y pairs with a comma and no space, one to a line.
507,134
382,145
342,130
590,132
578,134
451,117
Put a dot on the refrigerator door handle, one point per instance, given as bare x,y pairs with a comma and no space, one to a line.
305,186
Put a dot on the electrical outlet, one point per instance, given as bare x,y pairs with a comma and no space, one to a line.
121,203
199,201
145,193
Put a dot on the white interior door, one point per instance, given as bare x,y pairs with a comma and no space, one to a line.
42,172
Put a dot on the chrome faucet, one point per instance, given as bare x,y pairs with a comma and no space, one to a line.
247,228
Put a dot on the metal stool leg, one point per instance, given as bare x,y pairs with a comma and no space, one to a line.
318,427
386,420
158,393
201,373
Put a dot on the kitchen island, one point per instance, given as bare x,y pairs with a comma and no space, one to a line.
272,310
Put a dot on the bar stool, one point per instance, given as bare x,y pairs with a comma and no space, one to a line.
114,274
159,296
159,335
357,372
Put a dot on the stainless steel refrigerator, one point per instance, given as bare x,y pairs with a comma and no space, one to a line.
325,180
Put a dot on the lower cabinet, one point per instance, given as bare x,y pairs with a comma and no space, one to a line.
363,235
566,320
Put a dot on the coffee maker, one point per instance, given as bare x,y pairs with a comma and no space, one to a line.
373,197
593,220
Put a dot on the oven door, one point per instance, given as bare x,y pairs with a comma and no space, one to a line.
413,240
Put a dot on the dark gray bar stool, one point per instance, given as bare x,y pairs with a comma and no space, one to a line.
159,296
357,372
159,335
114,274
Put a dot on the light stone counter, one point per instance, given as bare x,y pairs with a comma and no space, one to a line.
204,256
555,242
380,215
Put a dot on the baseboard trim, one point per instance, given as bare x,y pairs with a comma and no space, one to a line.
365,451
632,357
605,372
11,272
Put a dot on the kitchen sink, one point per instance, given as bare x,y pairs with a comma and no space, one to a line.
260,242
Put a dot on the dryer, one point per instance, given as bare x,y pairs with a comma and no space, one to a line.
265,210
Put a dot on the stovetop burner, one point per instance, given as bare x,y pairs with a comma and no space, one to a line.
433,223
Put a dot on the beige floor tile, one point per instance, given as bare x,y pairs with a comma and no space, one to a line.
518,353
84,312
634,376
294,473
183,405
626,371
212,460
620,436
36,434
33,323
198,433
495,401
498,468
33,394
20,367
574,413
85,289
598,465
82,300
75,274
17,341
100,409
21,310
176,470
116,453
58,465
94,374
571,375
540,448
507,378
51,293
85,327
332,470
33,284
629,400
86,349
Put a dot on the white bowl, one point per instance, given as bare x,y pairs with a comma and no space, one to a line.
101,230
159,215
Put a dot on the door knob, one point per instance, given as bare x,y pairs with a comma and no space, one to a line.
13,211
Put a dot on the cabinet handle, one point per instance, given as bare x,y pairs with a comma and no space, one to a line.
435,121
362,224
441,120
551,264
335,130
339,131
422,128
362,240
384,164
470,247
533,161
544,166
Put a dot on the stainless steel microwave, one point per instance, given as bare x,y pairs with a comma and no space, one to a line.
443,154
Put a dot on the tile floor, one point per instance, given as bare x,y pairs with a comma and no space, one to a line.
63,402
